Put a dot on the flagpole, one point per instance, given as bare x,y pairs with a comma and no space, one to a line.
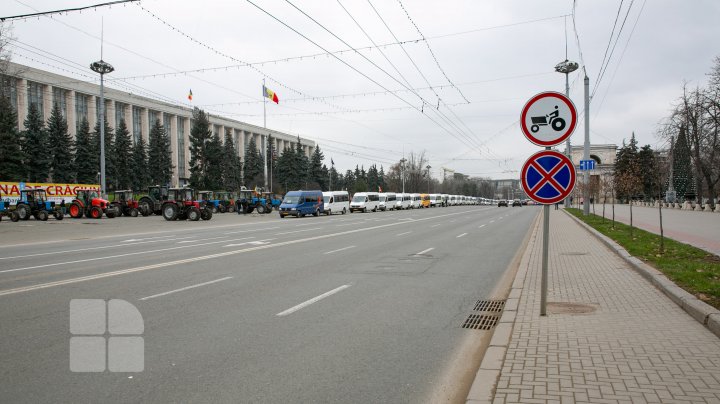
265,170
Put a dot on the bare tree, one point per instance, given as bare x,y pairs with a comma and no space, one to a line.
629,182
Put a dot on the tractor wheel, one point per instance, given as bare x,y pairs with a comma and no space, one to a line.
23,211
145,209
111,213
14,217
76,211
193,214
222,209
133,212
58,215
249,209
261,209
231,209
206,214
42,215
268,209
95,212
170,211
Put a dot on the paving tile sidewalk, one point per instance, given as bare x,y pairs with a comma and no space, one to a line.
637,345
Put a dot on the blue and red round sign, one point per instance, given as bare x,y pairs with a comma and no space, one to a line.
548,177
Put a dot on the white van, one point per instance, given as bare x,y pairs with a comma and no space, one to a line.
387,201
336,202
444,199
364,201
435,200
415,201
401,202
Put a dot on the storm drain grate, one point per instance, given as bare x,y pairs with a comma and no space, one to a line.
489,305
481,322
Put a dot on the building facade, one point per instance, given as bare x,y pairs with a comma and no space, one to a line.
604,156
80,100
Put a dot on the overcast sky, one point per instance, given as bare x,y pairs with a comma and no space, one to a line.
496,54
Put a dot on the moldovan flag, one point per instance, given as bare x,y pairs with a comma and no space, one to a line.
190,95
270,94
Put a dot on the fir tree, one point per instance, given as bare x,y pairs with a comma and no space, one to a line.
160,165
35,151
302,165
200,134
648,163
11,156
683,180
140,175
213,179
316,168
61,148
350,181
123,157
381,179
109,152
87,160
253,165
285,169
232,167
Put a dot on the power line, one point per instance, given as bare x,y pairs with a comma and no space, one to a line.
602,75
612,33
64,11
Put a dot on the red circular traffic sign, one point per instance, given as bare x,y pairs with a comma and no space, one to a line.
548,177
548,118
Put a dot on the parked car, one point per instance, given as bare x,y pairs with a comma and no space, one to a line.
502,202
336,201
516,202
301,203
387,201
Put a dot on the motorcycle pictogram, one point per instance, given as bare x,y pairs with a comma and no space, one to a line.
555,121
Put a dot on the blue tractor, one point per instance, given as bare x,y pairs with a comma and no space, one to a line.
33,202
211,202
5,211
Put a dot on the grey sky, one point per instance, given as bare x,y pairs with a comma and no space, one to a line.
496,69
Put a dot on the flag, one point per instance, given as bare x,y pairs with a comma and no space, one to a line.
270,94
379,188
332,163
190,95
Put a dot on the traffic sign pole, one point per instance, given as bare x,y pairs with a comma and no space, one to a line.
546,248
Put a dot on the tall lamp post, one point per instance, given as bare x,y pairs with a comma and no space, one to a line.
103,68
428,174
566,68
402,172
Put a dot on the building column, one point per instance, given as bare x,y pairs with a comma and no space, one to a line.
110,113
145,124
92,111
22,102
47,95
173,148
127,116
71,115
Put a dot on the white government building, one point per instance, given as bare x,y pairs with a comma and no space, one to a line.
79,99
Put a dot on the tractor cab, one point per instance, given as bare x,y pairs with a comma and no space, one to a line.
125,203
210,201
226,200
181,204
271,199
88,202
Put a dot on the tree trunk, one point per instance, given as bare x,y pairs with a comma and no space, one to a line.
631,223
613,209
662,234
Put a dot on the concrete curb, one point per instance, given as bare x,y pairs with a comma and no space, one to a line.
699,310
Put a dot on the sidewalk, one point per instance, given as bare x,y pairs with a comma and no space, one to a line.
633,346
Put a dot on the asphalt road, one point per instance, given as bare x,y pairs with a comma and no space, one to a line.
354,308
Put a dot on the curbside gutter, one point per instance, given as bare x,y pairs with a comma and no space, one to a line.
699,310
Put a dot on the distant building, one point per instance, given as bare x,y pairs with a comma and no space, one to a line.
80,100
604,156
509,189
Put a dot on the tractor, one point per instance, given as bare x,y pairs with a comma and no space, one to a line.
125,203
272,202
33,202
181,204
254,200
5,211
227,199
89,203
153,201
211,201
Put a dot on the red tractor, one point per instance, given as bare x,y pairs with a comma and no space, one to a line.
181,204
125,203
89,203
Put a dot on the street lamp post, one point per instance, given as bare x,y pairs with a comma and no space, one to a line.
566,68
103,68
402,172
428,174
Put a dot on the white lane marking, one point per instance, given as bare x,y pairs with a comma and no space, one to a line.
186,288
402,234
462,235
148,238
90,248
435,225
492,221
305,224
203,258
297,231
203,239
341,249
500,218
251,231
257,242
311,301
481,226
116,256
425,251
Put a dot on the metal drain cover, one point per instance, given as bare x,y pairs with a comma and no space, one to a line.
489,305
481,322
570,308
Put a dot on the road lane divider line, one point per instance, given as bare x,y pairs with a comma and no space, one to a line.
205,257
251,231
402,234
338,250
492,221
435,225
481,226
311,301
204,239
425,251
462,235
297,231
148,238
257,242
186,288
